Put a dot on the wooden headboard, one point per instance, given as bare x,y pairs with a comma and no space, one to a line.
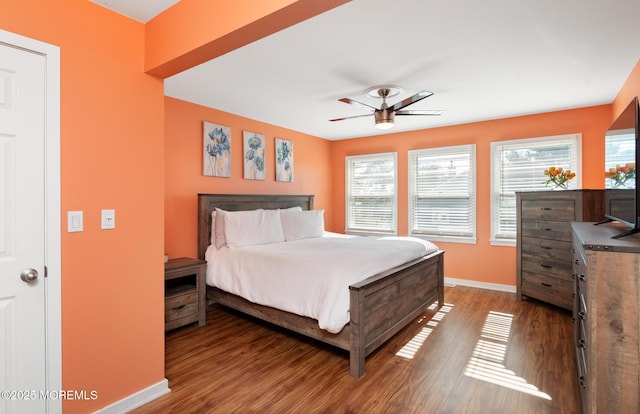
237,202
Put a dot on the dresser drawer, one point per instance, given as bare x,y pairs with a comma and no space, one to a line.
563,210
547,229
548,288
557,267
180,306
546,247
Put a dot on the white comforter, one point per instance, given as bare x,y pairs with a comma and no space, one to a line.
309,277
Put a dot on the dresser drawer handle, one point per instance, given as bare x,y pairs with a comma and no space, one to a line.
547,229
546,266
177,308
546,247
545,284
545,208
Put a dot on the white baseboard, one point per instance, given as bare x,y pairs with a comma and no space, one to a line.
481,285
137,399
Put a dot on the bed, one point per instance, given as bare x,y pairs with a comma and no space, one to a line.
379,306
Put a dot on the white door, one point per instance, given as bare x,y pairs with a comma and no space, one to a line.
22,231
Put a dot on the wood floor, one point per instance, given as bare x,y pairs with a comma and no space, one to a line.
483,352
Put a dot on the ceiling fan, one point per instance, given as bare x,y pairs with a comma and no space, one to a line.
385,115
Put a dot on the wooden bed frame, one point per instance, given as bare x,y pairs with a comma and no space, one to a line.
380,306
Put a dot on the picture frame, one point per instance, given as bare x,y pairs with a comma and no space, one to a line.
216,141
284,160
253,156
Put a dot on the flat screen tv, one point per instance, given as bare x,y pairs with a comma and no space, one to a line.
622,151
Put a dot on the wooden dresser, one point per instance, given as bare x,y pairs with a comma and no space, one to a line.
607,317
544,260
184,292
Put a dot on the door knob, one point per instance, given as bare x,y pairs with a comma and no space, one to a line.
29,275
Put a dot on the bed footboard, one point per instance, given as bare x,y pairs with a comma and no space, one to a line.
384,304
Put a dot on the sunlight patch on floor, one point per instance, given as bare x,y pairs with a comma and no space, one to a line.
487,361
410,349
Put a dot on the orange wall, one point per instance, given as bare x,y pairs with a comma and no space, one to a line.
112,157
480,262
196,31
183,169
629,90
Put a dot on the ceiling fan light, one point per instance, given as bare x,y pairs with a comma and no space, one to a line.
384,125
384,119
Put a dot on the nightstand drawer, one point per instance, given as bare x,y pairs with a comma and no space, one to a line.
180,306
563,210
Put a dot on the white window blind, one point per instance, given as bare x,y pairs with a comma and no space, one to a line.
519,166
371,193
442,193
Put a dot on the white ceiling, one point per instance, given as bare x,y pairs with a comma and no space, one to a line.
483,60
140,10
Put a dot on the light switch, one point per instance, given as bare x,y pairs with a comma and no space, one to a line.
74,221
108,219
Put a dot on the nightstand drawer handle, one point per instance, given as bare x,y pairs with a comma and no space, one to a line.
545,208
546,247
545,284
546,266
177,308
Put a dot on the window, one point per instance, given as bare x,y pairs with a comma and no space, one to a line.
519,166
442,193
371,194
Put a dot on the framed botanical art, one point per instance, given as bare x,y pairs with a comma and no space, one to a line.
284,160
216,150
254,162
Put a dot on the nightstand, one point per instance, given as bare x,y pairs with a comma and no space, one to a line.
184,292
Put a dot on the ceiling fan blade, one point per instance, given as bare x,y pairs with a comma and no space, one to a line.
411,100
433,112
348,117
358,104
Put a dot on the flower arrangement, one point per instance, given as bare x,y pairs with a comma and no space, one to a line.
621,173
558,176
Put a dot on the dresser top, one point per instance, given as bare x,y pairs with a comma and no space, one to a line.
594,236
578,190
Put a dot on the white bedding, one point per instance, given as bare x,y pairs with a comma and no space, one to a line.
309,277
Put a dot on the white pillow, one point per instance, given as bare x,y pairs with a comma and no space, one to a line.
219,238
213,228
298,225
249,228
296,208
